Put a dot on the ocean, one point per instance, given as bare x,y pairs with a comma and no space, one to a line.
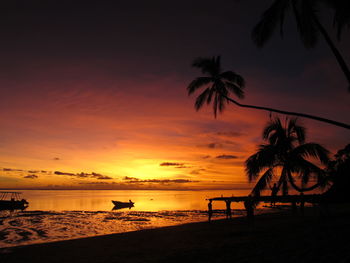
55,215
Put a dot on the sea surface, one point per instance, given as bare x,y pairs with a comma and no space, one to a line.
66,214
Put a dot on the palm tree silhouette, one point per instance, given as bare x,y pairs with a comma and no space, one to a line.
341,14
308,23
286,152
219,85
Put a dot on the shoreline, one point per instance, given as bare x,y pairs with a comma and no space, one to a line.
274,237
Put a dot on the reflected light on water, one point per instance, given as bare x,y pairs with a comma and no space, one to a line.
100,200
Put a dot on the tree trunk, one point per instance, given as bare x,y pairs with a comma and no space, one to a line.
336,123
335,51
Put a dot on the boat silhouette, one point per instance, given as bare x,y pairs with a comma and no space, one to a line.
12,201
120,205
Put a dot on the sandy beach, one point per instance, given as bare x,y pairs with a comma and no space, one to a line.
276,237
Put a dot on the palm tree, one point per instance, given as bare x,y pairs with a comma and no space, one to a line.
221,84
341,14
218,86
285,158
308,23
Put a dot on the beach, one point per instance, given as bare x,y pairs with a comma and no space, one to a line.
275,237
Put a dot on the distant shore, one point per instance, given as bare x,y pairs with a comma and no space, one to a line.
275,237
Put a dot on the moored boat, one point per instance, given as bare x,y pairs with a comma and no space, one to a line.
12,200
119,204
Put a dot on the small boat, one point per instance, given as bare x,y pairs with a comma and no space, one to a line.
119,204
12,201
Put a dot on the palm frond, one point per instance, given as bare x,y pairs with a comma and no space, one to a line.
207,65
264,158
273,130
234,78
235,89
314,150
197,84
305,14
270,19
201,99
262,183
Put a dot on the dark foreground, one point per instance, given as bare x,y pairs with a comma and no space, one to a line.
282,237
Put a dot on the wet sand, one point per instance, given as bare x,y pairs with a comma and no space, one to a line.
279,237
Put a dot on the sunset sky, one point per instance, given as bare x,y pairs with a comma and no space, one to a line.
93,93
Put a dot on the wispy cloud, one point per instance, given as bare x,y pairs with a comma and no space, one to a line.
226,156
158,181
31,176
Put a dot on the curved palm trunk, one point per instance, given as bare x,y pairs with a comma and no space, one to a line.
299,189
336,123
335,51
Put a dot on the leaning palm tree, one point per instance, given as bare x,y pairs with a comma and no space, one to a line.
219,85
308,23
285,159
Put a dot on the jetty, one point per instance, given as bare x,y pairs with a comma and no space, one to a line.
251,201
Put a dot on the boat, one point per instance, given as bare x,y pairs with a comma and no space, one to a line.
12,201
120,205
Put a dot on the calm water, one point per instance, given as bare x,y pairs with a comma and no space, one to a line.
67,214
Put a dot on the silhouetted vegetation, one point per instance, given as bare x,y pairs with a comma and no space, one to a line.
308,24
218,85
339,175
285,159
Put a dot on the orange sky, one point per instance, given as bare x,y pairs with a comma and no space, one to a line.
100,102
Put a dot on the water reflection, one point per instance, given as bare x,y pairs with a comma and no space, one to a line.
100,200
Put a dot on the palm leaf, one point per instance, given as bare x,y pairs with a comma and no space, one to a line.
262,183
314,150
271,18
197,84
264,158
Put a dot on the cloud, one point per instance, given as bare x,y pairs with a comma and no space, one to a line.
63,173
86,175
158,181
11,170
171,164
197,171
230,134
130,178
226,156
103,177
31,176
56,159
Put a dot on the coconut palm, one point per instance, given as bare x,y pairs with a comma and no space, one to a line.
308,23
285,159
341,14
218,86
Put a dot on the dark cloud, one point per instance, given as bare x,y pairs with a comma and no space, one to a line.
171,164
63,173
226,156
103,177
130,178
31,176
213,145
197,171
158,181
11,170
86,175
230,134
206,157
33,172
56,159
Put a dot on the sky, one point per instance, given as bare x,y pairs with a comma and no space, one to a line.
93,93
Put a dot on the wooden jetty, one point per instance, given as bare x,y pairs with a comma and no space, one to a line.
251,201
314,198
